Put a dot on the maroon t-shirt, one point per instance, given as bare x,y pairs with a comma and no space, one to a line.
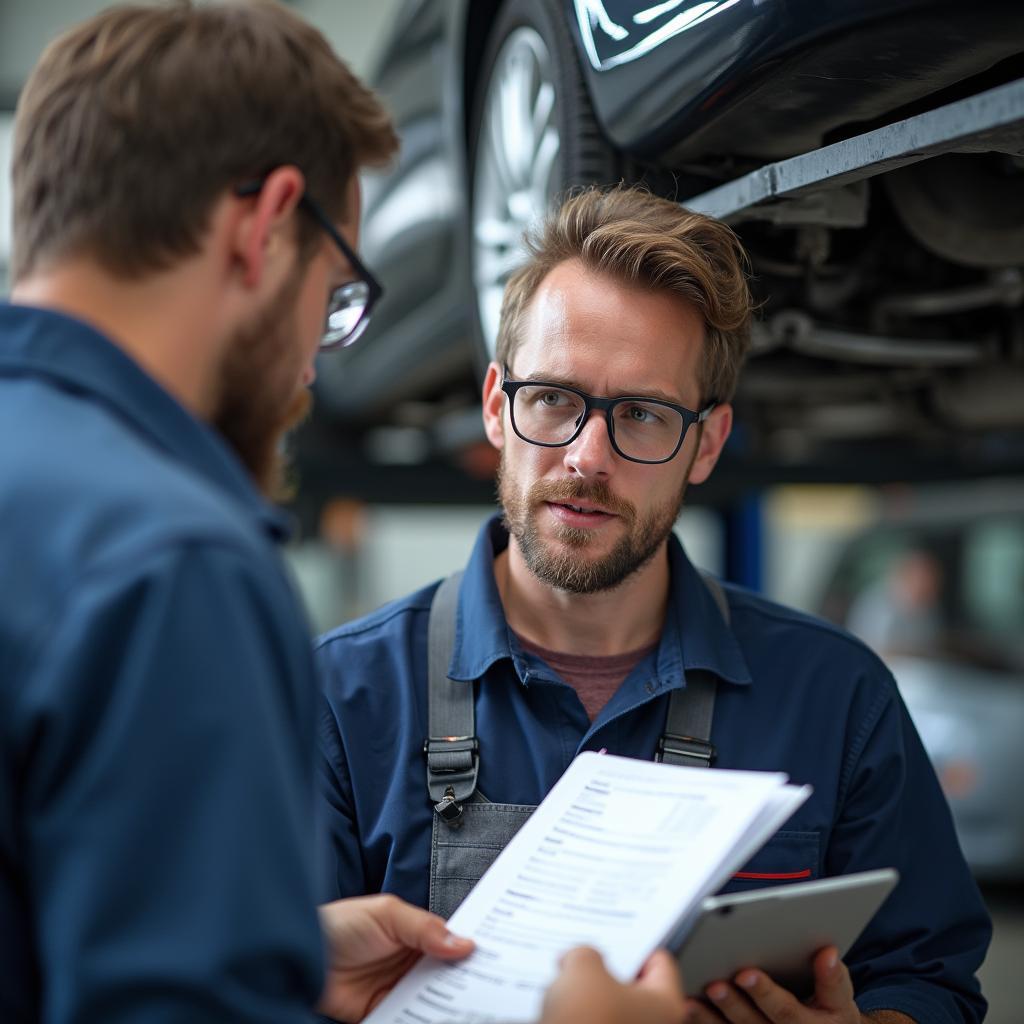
595,679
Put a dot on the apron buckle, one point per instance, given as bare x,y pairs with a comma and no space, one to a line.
449,810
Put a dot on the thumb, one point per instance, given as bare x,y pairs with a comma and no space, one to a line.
833,989
418,929
660,974
582,960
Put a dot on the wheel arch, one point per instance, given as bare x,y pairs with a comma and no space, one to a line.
481,16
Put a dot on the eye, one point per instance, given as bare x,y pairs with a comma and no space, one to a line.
548,399
642,415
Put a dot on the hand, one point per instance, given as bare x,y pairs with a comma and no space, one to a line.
371,942
756,999
585,991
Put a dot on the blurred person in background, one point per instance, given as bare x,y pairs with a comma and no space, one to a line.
901,613
185,223
580,624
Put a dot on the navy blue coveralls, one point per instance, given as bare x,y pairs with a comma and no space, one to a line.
157,707
795,694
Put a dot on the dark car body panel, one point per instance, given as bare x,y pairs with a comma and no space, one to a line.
773,78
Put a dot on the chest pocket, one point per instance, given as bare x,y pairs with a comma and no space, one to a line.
460,856
787,857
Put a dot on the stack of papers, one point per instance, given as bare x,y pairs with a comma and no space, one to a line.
619,856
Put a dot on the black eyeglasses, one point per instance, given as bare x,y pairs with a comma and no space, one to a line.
641,429
350,305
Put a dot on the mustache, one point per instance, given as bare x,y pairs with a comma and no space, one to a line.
576,492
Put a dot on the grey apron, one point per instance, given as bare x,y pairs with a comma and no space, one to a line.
468,830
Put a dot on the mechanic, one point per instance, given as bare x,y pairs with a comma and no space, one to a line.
173,269
580,624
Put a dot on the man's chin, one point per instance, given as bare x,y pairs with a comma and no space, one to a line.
264,450
281,483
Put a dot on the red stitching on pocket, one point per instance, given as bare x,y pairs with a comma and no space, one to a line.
774,875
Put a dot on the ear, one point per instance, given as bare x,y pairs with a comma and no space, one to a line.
494,406
717,428
263,232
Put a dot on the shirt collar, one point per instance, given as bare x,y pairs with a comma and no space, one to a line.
481,632
695,635
45,343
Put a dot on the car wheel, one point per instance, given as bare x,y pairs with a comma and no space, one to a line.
534,136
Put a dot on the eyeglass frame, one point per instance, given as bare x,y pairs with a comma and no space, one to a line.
374,289
605,405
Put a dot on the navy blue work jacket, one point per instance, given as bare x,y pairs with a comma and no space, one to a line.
795,695
157,707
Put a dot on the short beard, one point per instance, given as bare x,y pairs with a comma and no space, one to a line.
571,570
258,401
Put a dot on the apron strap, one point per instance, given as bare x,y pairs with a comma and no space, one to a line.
451,746
686,740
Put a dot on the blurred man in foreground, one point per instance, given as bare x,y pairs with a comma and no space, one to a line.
185,219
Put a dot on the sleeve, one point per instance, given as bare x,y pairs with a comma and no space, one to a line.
344,873
169,800
920,953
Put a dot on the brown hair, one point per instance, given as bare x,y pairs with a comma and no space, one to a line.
133,123
641,239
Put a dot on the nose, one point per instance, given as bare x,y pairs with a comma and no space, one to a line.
309,375
591,454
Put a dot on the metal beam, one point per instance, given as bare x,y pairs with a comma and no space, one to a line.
989,121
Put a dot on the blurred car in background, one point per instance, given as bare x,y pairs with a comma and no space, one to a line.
937,588
891,286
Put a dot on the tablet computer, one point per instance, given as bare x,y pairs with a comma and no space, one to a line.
779,929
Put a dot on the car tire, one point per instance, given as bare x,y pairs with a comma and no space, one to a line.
533,137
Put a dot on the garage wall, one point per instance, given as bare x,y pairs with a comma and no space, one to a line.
5,198
355,28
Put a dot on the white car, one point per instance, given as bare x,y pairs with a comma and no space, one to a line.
938,590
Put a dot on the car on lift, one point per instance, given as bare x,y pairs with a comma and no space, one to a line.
936,586
870,154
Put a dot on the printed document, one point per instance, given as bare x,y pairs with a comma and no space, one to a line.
618,856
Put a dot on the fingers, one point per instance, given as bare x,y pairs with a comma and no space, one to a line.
446,945
833,987
583,968
582,991
586,991
583,960
660,974
765,998
658,993
697,1012
418,929
754,997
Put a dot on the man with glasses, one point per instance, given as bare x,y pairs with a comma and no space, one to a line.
579,624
